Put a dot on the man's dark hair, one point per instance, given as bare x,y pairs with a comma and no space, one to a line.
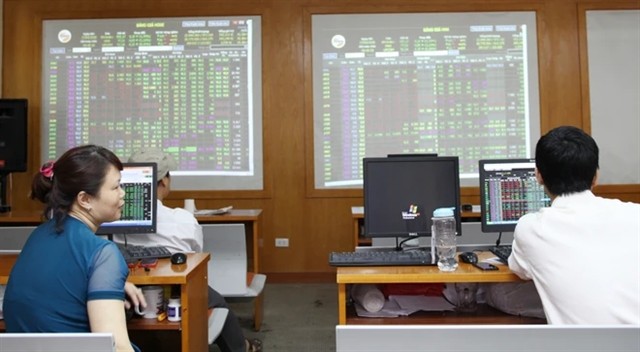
567,159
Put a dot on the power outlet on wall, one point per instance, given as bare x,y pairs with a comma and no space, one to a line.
282,242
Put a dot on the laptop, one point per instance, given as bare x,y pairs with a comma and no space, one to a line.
68,342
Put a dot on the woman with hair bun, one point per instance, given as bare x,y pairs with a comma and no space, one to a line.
67,279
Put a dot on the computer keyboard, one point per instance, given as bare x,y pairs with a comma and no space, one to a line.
381,258
132,253
502,252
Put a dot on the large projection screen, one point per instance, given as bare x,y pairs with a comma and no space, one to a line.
455,84
189,86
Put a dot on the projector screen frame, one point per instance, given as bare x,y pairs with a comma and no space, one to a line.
225,184
468,189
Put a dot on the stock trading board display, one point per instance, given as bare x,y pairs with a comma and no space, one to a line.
184,85
451,84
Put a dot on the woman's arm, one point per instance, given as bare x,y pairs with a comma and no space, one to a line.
136,298
107,315
106,292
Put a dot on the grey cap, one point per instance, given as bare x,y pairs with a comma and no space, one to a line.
165,161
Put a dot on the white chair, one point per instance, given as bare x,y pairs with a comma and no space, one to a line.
50,342
496,338
228,266
216,322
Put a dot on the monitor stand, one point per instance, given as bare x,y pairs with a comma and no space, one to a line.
394,242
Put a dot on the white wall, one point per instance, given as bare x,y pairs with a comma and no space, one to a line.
472,238
613,41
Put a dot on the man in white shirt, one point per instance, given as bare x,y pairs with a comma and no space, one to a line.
179,231
582,252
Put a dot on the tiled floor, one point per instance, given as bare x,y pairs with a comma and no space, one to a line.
297,317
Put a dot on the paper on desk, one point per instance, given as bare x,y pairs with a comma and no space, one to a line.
213,211
493,260
426,303
389,310
403,305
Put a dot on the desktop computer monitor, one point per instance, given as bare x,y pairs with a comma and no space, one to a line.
401,193
140,201
508,190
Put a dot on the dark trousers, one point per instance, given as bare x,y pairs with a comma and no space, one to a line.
231,338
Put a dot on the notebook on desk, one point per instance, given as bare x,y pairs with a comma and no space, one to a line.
220,211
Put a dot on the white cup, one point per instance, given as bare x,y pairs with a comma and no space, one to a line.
190,205
154,295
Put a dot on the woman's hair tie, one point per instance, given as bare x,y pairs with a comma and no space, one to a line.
47,170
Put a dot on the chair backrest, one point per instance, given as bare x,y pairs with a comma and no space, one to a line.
228,263
216,322
49,342
496,338
13,238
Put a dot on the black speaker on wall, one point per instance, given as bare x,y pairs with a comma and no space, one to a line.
13,135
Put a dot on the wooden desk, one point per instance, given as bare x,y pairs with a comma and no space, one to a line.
357,215
21,218
192,278
251,219
424,274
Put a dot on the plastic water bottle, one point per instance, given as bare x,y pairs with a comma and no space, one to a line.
443,231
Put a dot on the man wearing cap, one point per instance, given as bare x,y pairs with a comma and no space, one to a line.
179,231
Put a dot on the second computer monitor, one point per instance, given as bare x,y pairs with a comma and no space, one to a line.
401,193
138,180
508,190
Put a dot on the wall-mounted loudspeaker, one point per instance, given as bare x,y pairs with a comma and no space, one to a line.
13,135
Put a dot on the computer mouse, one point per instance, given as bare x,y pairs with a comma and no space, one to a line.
468,257
178,258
